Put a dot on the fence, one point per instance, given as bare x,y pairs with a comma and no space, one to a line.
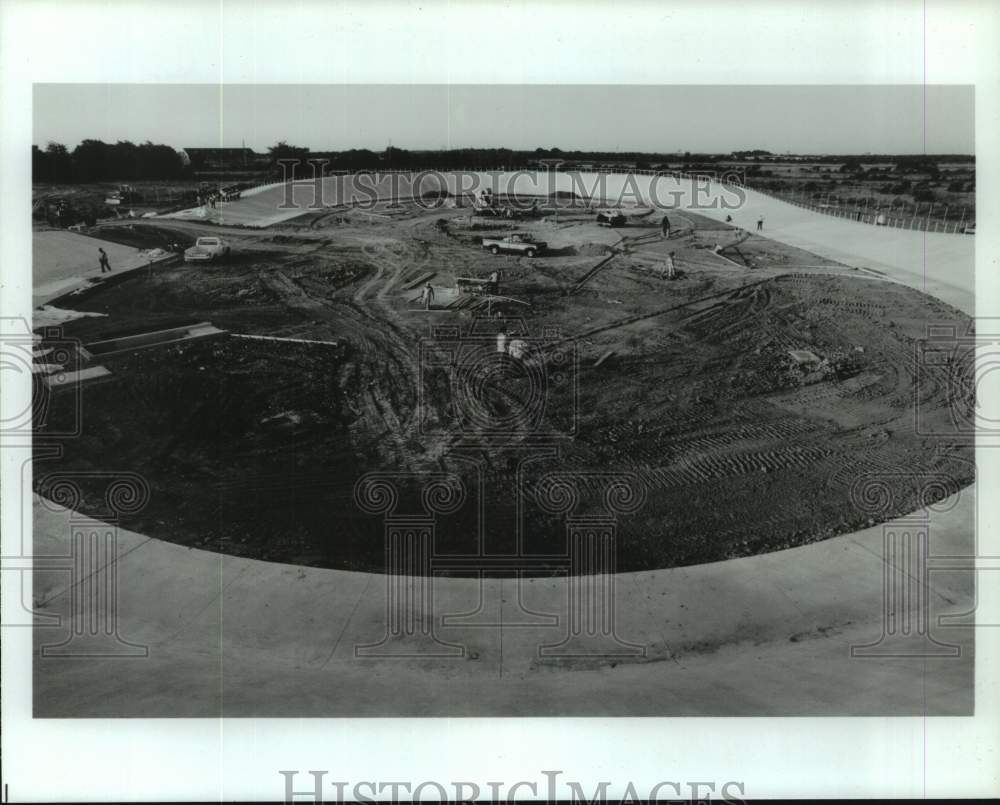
880,216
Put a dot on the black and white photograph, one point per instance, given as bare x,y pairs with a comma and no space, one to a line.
456,399
504,431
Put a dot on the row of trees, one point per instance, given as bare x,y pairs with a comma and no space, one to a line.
485,158
95,161
929,167
393,158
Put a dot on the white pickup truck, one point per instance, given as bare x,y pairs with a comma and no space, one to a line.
206,250
517,244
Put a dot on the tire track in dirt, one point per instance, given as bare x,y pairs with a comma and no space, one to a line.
626,321
624,246
393,260
362,292
384,372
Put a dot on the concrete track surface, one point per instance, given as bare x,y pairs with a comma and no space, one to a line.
211,635
63,260
769,635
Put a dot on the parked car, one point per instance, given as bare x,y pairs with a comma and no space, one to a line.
518,243
206,250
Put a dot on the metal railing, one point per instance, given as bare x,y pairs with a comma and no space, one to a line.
888,217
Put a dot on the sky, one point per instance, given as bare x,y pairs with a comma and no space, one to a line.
713,119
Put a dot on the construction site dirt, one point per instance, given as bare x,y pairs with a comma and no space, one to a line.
744,397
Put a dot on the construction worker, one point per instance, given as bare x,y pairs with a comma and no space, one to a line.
502,341
428,296
495,281
671,269
760,224
103,259
665,227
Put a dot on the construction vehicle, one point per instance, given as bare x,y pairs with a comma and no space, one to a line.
56,210
122,198
476,286
60,211
616,217
484,204
125,194
613,218
231,193
487,206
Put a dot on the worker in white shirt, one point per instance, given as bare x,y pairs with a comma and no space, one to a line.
502,341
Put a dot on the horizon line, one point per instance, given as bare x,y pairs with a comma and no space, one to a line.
676,152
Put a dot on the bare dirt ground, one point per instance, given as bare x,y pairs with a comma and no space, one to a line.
253,447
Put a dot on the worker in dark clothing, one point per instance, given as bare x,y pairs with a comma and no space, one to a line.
760,223
103,259
665,227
